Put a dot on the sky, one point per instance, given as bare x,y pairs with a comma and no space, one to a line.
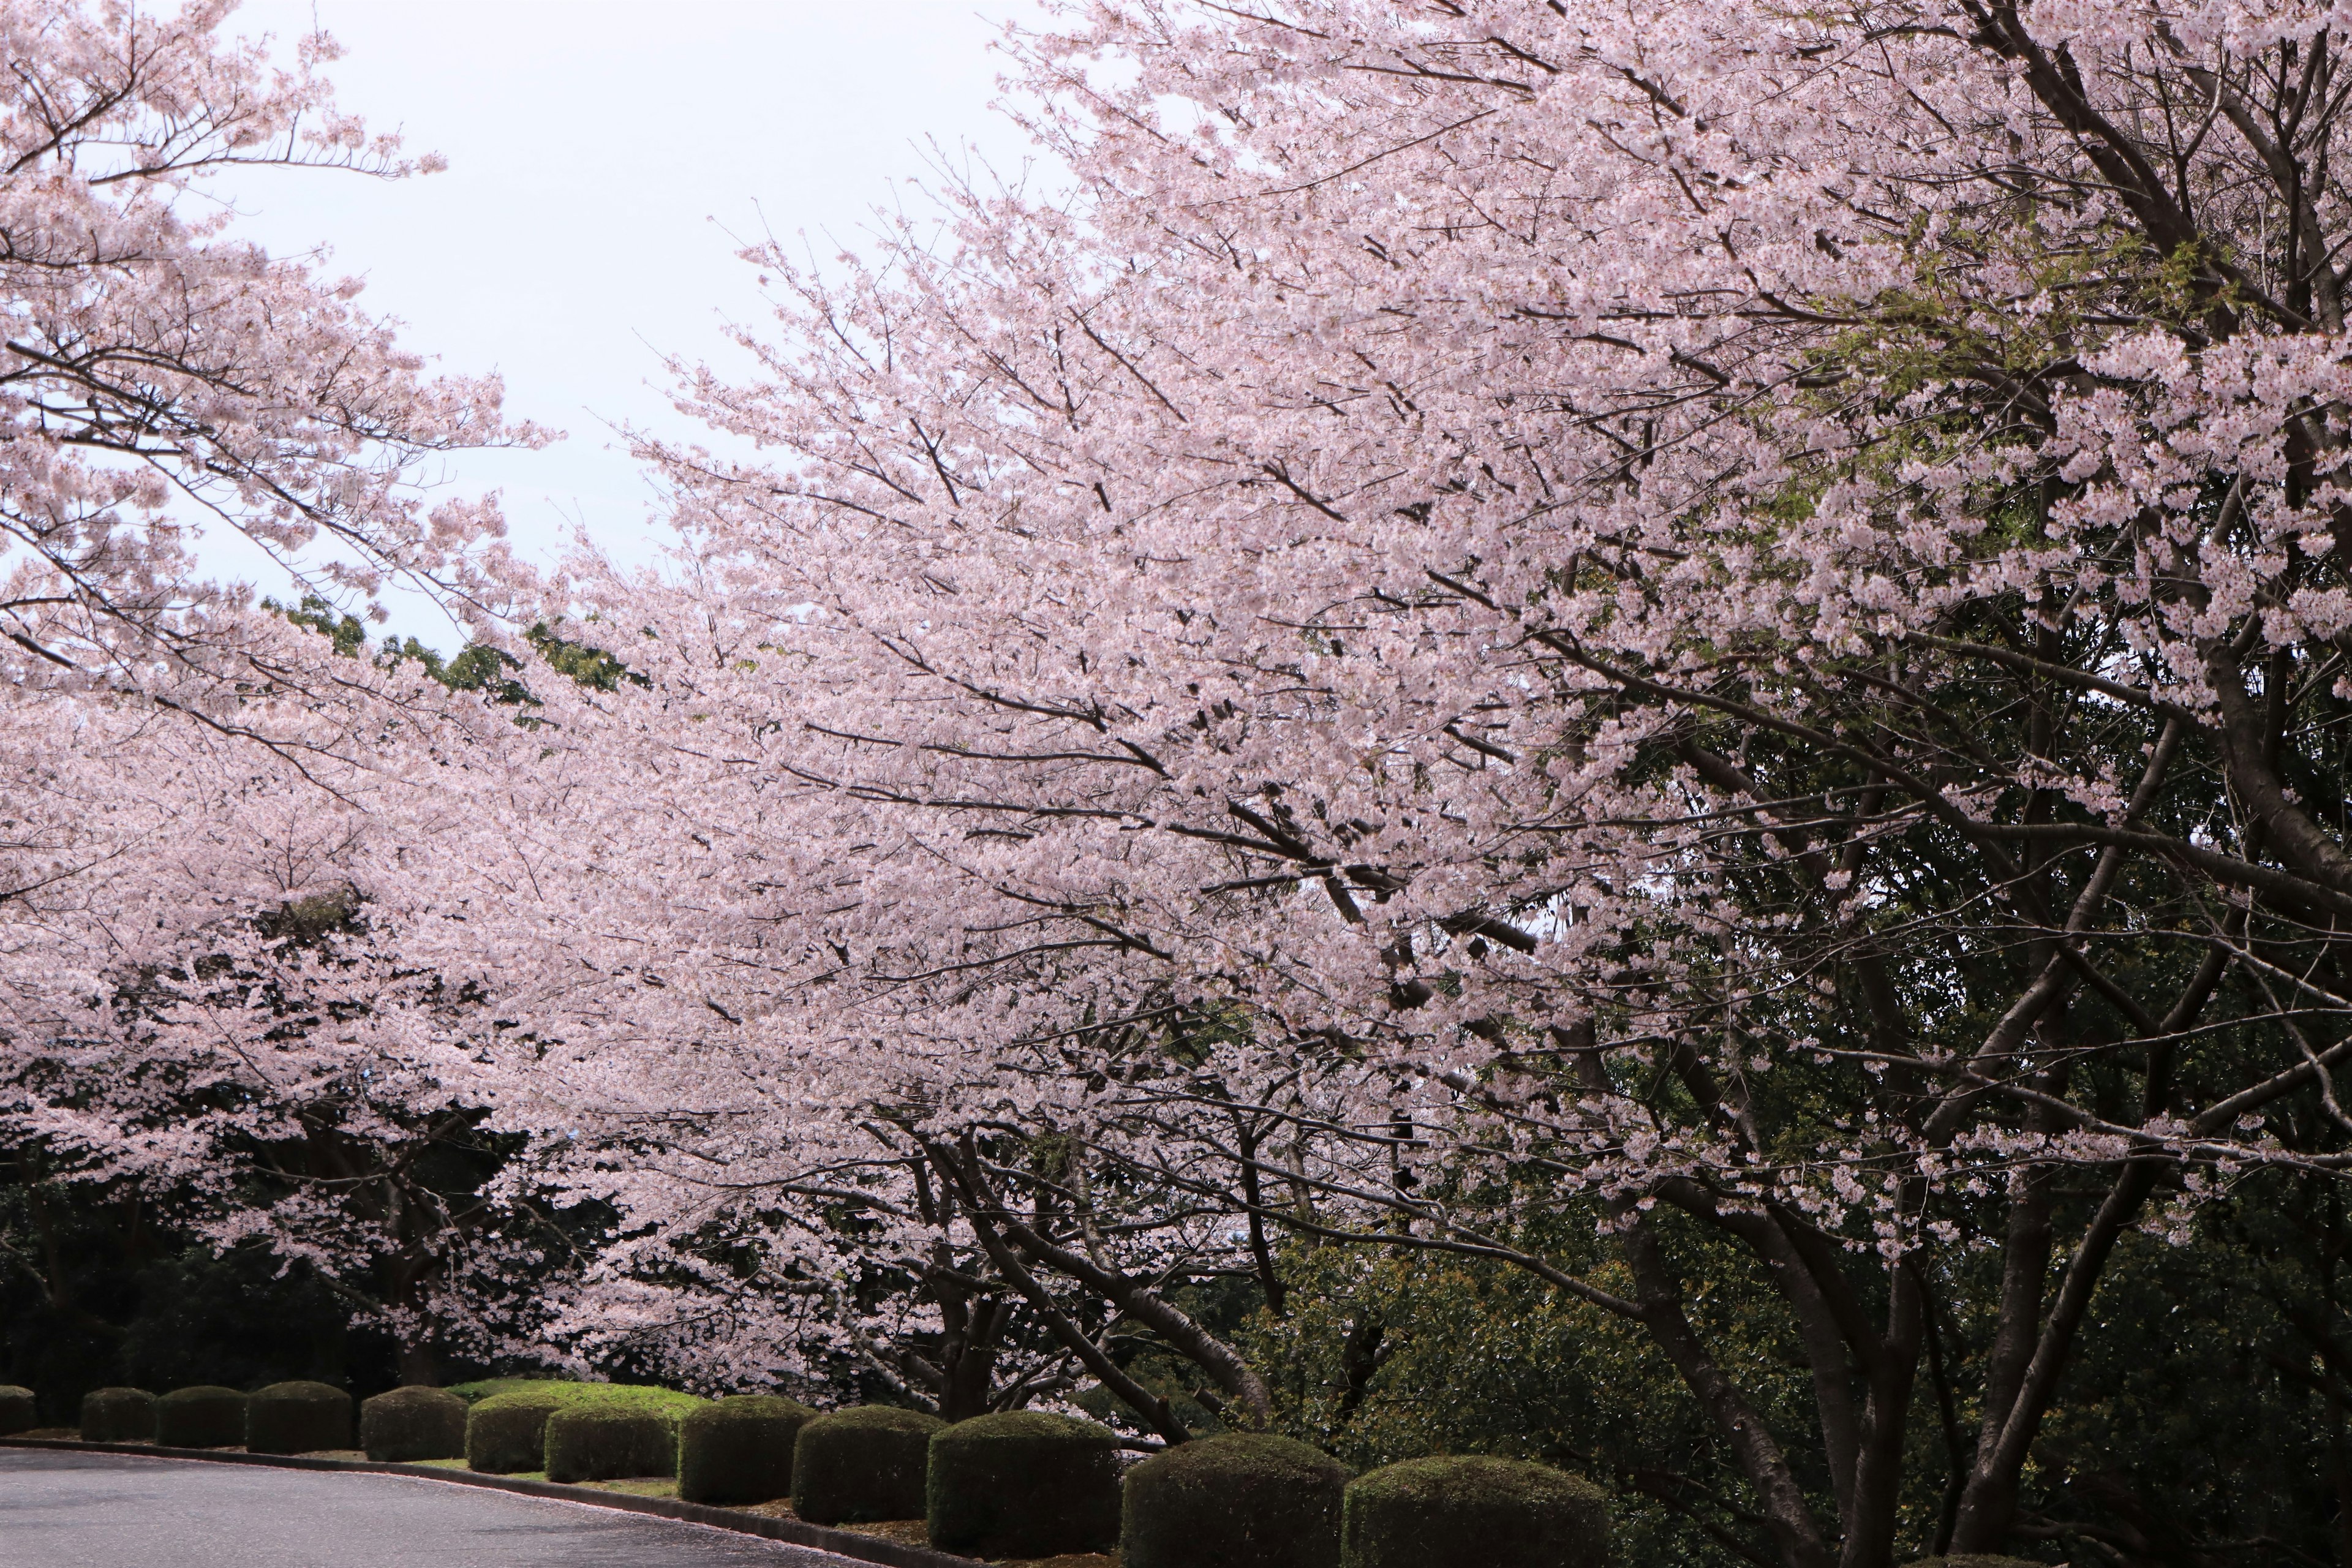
605,158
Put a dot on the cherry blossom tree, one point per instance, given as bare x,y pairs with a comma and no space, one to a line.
1721,618
160,375
198,1004
1718,623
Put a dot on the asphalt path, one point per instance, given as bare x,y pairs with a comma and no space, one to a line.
64,1509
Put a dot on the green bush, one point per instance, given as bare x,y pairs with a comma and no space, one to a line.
862,1465
1240,1501
204,1417
1468,1512
118,1416
506,1432
739,1449
19,1411
411,1423
1022,1484
599,1442
298,1419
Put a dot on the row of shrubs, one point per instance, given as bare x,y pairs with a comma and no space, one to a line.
1029,1484
283,1418
1020,1484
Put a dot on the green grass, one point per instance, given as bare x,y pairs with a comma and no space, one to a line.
638,1486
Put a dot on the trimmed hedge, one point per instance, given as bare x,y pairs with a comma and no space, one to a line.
298,1419
19,1411
506,1432
606,1442
411,1423
483,1388
1467,1511
1246,1500
863,1465
1022,1484
204,1417
118,1416
739,1449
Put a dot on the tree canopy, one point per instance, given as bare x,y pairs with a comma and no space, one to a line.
1615,731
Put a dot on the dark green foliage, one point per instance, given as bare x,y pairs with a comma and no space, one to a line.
1022,1484
863,1465
298,1419
589,665
1471,1512
506,1431
476,667
411,1424
121,1298
603,1442
739,1449
506,1434
204,1417
347,632
19,1411
1246,1500
118,1416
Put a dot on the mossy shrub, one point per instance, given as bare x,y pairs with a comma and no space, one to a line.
1246,1500
1022,1484
19,1411
506,1431
204,1417
739,1449
118,1416
602,1442
411,1424
1464,1511
298,1419
862,1465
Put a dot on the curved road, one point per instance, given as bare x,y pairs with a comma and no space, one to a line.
110,1511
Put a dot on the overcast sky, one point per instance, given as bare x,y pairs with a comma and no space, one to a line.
601,152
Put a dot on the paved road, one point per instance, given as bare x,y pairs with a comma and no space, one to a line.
109,1511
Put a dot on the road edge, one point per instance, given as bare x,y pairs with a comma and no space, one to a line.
791,1531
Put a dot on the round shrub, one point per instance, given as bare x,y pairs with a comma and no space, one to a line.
19,1411
298,1419
507,1431
739,1449
118,1416
411,1423
204,1417
604,1443
1242,1501
863,1465
1463,1511
1022,1484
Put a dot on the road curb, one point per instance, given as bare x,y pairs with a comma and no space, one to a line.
793,1532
